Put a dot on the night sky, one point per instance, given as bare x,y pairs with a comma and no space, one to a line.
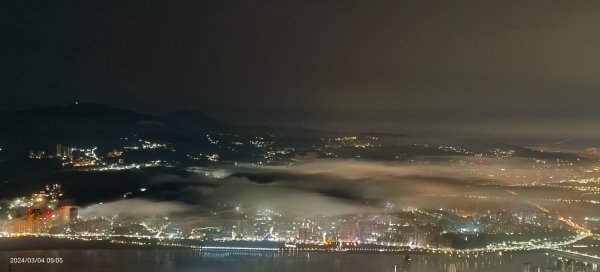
521,68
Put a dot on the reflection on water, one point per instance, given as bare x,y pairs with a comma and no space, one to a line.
249,261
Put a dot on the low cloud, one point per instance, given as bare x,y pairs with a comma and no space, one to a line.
135,208
334,187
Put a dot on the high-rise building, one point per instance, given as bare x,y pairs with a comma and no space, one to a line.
66,214
34,222
73,214
68,152
348,231
59,152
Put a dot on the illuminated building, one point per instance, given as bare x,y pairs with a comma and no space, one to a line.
207,233
66,214
32,222
35,221
348,231
114,154
39,199
228,232
68,152
59,153
37,154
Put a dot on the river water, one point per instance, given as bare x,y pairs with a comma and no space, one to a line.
184,260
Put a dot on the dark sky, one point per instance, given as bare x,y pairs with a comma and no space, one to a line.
513,67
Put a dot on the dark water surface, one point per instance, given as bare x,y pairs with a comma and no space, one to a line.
149,260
